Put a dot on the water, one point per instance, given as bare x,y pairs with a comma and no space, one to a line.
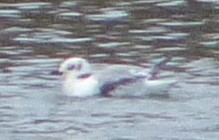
36,36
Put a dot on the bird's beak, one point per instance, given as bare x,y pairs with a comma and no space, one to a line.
56,72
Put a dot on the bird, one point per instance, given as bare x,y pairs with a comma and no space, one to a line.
80,79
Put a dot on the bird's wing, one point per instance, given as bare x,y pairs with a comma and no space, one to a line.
114,76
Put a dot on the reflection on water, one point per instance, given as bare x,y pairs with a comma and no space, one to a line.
36,36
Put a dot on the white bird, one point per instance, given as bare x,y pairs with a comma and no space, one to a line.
80,80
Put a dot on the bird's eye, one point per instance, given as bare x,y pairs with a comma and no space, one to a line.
71,67
79,67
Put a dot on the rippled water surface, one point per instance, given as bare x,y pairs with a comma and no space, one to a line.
36,36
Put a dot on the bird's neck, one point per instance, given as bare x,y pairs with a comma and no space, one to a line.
84,76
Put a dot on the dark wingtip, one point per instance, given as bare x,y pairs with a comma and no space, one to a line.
157,67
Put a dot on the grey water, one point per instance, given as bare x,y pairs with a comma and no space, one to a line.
35,36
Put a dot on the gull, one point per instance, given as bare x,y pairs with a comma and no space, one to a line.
80,79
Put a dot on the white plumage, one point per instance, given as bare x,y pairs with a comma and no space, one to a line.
80,80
